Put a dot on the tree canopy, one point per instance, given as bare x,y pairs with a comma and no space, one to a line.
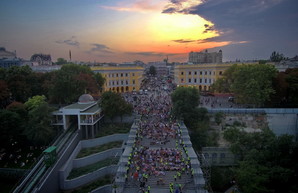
70,82
152,70
267,163
61,61
276,57
114,105
252,84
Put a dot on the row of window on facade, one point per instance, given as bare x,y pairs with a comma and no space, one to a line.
122,82
198,80
120,89
120,75
202,72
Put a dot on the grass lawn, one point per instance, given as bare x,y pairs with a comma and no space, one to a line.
93,167
112,128
93,185
89,151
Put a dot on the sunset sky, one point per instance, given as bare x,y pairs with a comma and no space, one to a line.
148,30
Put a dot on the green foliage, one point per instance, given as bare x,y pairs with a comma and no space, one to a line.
39,129
10,127
114,105
92,150
185,100
152,70
262,61
276,57
18,80
268,161
253,83
70,82
218,117
61,61
93,167
35,102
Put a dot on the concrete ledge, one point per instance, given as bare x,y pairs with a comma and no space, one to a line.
85,179
103,140
106,188
81,162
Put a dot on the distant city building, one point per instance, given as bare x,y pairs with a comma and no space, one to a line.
8,59
6,54
121,78
205,57
41,60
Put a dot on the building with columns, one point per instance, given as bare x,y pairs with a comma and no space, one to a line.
86,114
121,78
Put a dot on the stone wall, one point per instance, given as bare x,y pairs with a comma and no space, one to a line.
72,162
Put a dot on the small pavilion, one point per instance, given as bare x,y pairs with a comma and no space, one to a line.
85,115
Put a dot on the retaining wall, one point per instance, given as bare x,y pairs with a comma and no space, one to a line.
90,177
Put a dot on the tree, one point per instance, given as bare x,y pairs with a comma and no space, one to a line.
252,84
114,105
39,130
61,61
218,117
4,94
152,70
11,127
276,57
268,161
185,100
68,83
18,80
100,80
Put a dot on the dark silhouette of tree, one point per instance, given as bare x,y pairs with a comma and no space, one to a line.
276,57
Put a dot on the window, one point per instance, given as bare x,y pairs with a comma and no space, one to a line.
182,80
126,74
121,74
121,82
220,72
189,80
201,72
205,80
189,73
210,73
205,72
195,72
182,73
117,75
126,82
200,80
209,80
133,74
195,80
133,82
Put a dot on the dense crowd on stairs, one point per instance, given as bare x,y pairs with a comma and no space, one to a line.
159,157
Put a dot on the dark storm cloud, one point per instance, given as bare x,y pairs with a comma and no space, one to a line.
71,42
267,25
101,48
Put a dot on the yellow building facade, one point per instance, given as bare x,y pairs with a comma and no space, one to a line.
121,78
201,76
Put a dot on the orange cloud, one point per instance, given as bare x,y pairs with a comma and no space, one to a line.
143,6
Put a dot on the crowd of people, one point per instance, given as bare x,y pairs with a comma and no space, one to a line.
158,146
